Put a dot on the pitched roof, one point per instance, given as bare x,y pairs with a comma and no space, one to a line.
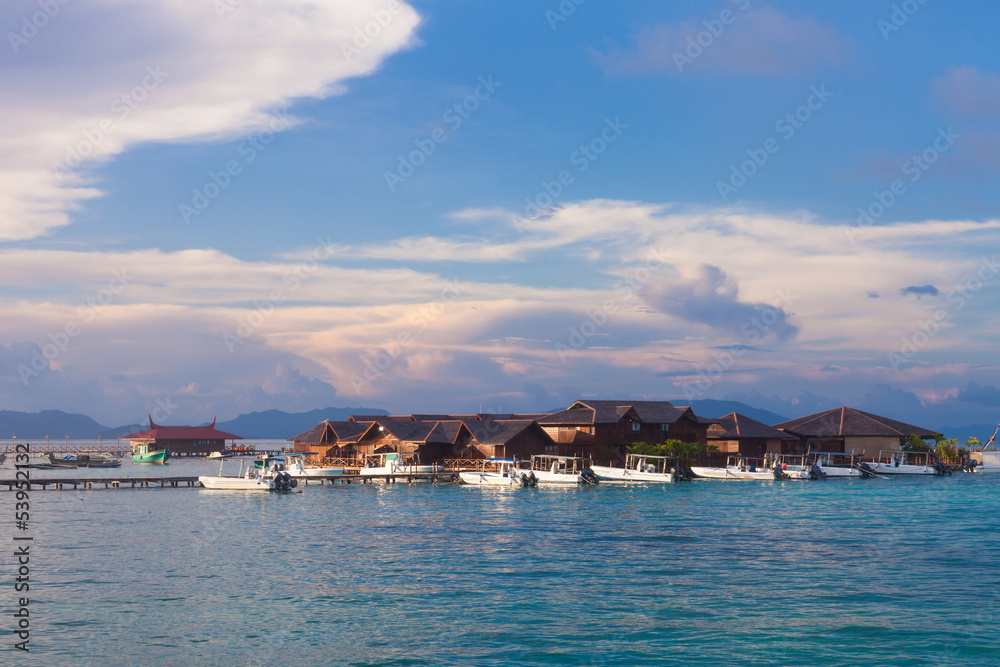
328,432
498,431
844,421
157,432
740,426
611,412
571,416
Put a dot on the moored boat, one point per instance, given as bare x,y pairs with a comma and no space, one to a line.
394,463
303,465
987,459
553,470
270,477
898,462
641,468
84,461
498,472
748,468
149,453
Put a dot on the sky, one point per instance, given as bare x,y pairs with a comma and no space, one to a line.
212,207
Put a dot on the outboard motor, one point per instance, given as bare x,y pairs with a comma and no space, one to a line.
969,465
589,477
532,480
779,474
866,470
525,481
941,469
815,472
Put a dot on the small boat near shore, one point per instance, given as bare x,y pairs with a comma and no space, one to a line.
393,463
641,468
748,468
554,470
898,462
271,477
149,453
498,472
304,465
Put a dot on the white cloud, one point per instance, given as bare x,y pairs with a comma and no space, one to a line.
110,74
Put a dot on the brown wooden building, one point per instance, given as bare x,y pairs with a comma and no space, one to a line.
429,437
738,434
845,429
595,426
183,440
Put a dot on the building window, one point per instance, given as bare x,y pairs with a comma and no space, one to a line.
664,430
635,426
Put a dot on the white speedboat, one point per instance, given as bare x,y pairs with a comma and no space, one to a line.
745,468
302,465
393,463
270,477
498,472
987,459
640,468
839,464
897,462
552,470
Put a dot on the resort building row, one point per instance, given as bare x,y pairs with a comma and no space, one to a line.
601,429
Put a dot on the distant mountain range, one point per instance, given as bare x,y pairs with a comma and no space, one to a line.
278,425
267,425
713,409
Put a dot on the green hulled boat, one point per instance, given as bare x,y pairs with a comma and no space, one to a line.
145,453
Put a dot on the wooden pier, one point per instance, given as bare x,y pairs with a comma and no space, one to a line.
63,483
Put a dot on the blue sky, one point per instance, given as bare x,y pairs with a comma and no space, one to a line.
799,212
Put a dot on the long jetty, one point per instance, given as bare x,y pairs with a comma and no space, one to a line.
62,483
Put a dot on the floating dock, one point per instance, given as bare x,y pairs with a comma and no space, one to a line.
62,483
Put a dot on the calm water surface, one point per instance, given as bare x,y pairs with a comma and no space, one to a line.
894,572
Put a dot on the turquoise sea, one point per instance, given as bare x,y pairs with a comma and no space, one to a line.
838,572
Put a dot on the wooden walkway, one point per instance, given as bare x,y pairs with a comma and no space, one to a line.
61,483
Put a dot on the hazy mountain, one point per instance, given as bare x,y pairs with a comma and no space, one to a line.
278,425
267,425
712,409
54,423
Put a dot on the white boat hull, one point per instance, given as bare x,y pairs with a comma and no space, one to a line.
487,479
295,471
609,474
732,472
546,478
234,483
902,469
990,463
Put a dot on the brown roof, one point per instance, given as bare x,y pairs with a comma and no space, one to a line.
844,421
157,432
739,426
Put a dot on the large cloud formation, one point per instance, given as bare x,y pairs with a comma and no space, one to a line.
101,76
